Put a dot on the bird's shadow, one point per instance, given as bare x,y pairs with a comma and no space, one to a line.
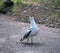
33,44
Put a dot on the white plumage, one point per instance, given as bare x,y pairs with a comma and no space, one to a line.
32,31
33,27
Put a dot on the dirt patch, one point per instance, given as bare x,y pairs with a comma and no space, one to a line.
46,41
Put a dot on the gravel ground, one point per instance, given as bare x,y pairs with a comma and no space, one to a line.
46,41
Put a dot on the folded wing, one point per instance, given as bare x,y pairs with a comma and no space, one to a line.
26,35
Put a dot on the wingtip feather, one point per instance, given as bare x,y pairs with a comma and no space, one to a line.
21,39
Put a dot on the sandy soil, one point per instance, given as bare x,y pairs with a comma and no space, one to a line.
46,41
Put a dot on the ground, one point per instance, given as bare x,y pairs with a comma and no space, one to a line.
46,41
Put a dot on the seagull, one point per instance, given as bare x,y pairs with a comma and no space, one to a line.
32,31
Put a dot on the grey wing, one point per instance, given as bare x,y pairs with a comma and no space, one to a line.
26,35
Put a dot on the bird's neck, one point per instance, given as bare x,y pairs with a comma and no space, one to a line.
33,24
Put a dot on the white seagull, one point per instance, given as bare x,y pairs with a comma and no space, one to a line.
32,31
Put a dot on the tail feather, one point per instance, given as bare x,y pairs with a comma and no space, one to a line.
21,39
